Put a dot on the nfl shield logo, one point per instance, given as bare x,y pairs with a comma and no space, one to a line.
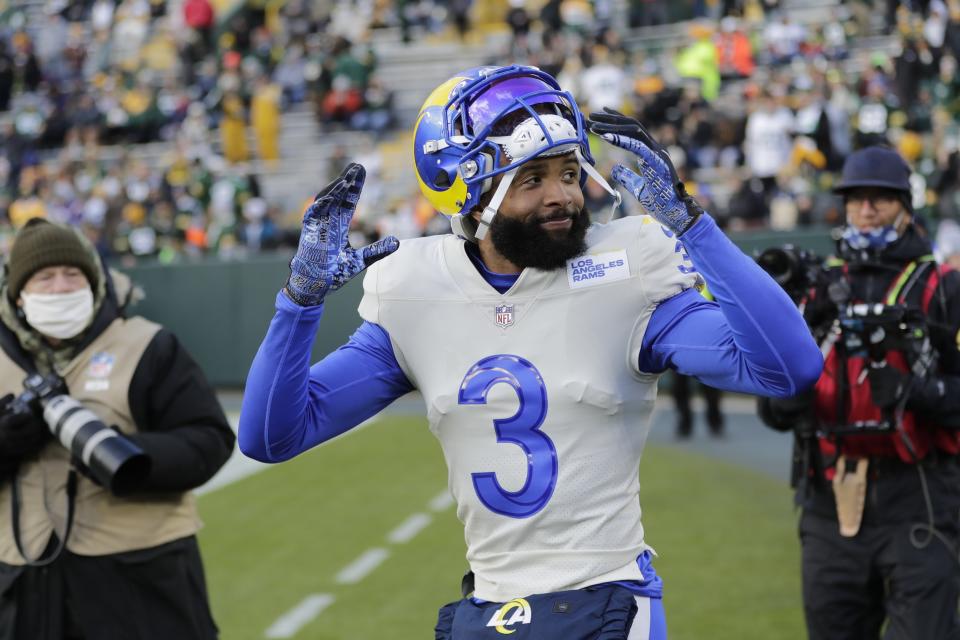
101,364
504,313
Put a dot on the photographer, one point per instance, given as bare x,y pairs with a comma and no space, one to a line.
877,440
84,555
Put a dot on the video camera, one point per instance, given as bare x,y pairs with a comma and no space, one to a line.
870,330
796,270
115,461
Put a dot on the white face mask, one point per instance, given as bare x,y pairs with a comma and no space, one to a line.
59,315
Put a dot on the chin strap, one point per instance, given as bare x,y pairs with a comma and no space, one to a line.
593,173
464,226
490,211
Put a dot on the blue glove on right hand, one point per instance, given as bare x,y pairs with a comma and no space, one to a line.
657,187
325,261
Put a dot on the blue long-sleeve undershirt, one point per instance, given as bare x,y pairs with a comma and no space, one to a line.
289,406
752,339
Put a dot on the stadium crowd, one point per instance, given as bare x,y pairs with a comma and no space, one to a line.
134,120
150,124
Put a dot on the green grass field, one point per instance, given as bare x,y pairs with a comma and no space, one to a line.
726,538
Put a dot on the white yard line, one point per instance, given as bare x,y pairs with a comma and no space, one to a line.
287,625
237,467
362,566
292,621
409,528
441,502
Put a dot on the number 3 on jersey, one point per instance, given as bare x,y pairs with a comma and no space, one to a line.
521,429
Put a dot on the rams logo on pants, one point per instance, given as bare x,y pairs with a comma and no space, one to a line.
514,612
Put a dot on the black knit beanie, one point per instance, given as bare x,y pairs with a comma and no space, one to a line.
40,244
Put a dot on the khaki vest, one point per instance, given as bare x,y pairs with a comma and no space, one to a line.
99,377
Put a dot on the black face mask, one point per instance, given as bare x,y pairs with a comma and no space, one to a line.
526,244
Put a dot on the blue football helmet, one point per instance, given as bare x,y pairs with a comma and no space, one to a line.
485,122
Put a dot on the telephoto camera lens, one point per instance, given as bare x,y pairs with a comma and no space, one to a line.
114,460
782,265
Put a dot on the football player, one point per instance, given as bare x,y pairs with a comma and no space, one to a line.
536,339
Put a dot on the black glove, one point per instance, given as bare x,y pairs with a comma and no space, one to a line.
785,414
888,384
22,436
927,394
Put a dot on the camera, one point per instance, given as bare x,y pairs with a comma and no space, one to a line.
794,269
870,331
114,461
873,329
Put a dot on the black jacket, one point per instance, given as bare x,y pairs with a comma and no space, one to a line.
894,491
869,277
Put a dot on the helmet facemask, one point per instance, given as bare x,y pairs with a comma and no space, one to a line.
499,121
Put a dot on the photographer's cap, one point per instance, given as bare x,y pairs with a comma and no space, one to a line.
41,243
876,166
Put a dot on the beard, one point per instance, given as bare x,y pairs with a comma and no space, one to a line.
526,244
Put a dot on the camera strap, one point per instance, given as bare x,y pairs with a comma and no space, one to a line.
908,278
44,558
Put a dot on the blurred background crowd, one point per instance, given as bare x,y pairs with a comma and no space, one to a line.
174,129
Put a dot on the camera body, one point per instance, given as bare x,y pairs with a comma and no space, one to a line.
37,387
870,331
793,268
873,329
857,330
114,461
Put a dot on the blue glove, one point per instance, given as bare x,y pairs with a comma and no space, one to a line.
325,261
657,187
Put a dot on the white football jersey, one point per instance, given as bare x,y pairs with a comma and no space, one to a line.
536,397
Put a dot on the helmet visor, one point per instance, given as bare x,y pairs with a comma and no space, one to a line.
505,97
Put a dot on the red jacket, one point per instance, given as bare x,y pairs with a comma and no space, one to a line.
922,433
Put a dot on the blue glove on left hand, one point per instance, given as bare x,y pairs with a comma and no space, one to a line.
658,188
325,261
